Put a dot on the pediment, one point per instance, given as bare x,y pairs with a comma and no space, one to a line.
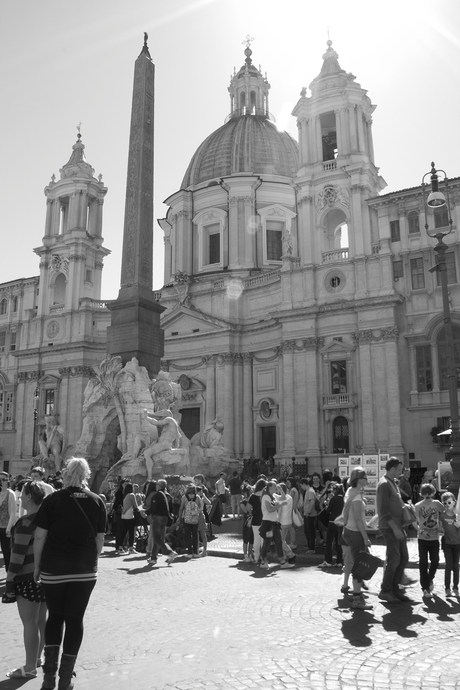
183,321
336,347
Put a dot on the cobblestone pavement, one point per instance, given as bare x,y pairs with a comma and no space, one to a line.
217,623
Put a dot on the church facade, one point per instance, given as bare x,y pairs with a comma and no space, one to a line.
299,305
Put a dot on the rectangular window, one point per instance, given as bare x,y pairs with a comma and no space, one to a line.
214,248
2,341
441,218
274,240
338,377
394,231
12,341
417,273
398,269
451,272
414,226
49,401
424,368
88,275
8,407
190,421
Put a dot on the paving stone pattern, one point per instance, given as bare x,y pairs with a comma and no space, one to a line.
219,624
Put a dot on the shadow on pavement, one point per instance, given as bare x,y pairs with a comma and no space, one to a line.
356,629
399,618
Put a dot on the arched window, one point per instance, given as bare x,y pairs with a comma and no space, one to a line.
242,101
3,306
59,289
442,356
340,437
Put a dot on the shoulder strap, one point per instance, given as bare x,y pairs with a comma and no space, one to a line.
84,514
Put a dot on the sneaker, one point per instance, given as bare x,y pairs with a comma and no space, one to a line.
310,551
345,589
359,603
389,597
264,565
427,594
408,581
195,555
152,561
292,559
455,592
131,550
171,557
188,556
246,559
286,565
339,565
448,592
325,564
203,554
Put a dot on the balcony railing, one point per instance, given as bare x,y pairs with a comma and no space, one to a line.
338,400
330,165
336,256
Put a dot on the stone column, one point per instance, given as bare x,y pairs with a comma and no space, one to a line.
248,425
238,404
361,141
311,395
83,221
49,217
353,134
390,336
210,389
288,398
364,339
319,140
228,416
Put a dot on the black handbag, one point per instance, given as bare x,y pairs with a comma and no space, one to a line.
365,565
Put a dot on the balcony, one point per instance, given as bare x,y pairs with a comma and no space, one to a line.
337,400
335,256
329,165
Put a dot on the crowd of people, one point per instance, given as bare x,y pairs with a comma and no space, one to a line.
52,533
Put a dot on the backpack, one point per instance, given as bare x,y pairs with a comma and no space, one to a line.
191,512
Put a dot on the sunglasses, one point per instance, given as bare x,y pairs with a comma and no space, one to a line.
448,500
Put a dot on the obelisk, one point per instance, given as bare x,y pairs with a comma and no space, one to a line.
135,315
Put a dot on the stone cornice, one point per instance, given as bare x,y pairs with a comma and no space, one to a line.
375,335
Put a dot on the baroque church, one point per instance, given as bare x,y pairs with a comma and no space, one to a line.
298,302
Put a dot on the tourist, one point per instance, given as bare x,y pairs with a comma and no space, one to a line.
20,581
285,520
248,534
428,512
127,523
450,542
190,508
334,532
389,509
235,493
354,530
309,513
150,489
38,474
68,540
405,487
255,511
203,519
160,515
221,491
291,486
7,516
270,528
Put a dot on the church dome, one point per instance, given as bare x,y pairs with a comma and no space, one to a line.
248,142
245,144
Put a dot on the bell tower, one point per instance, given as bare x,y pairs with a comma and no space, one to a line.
72,252
337,172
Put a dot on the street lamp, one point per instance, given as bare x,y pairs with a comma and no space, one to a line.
439,199
35,404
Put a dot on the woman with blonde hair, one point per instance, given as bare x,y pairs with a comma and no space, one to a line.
68,540
20,582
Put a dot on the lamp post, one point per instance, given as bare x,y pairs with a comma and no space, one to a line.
434,200
35,404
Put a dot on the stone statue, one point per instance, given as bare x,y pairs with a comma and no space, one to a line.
52,443
166,395
212,434
169,438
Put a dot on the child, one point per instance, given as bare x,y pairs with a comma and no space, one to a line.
248,534
428,513
450,542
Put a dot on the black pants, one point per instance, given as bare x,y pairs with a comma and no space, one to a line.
125,526
66,607
452,556
191,537
428,553
5,545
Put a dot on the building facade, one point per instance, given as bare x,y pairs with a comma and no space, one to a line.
299,304
53,326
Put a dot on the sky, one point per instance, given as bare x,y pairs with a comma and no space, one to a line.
63,63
